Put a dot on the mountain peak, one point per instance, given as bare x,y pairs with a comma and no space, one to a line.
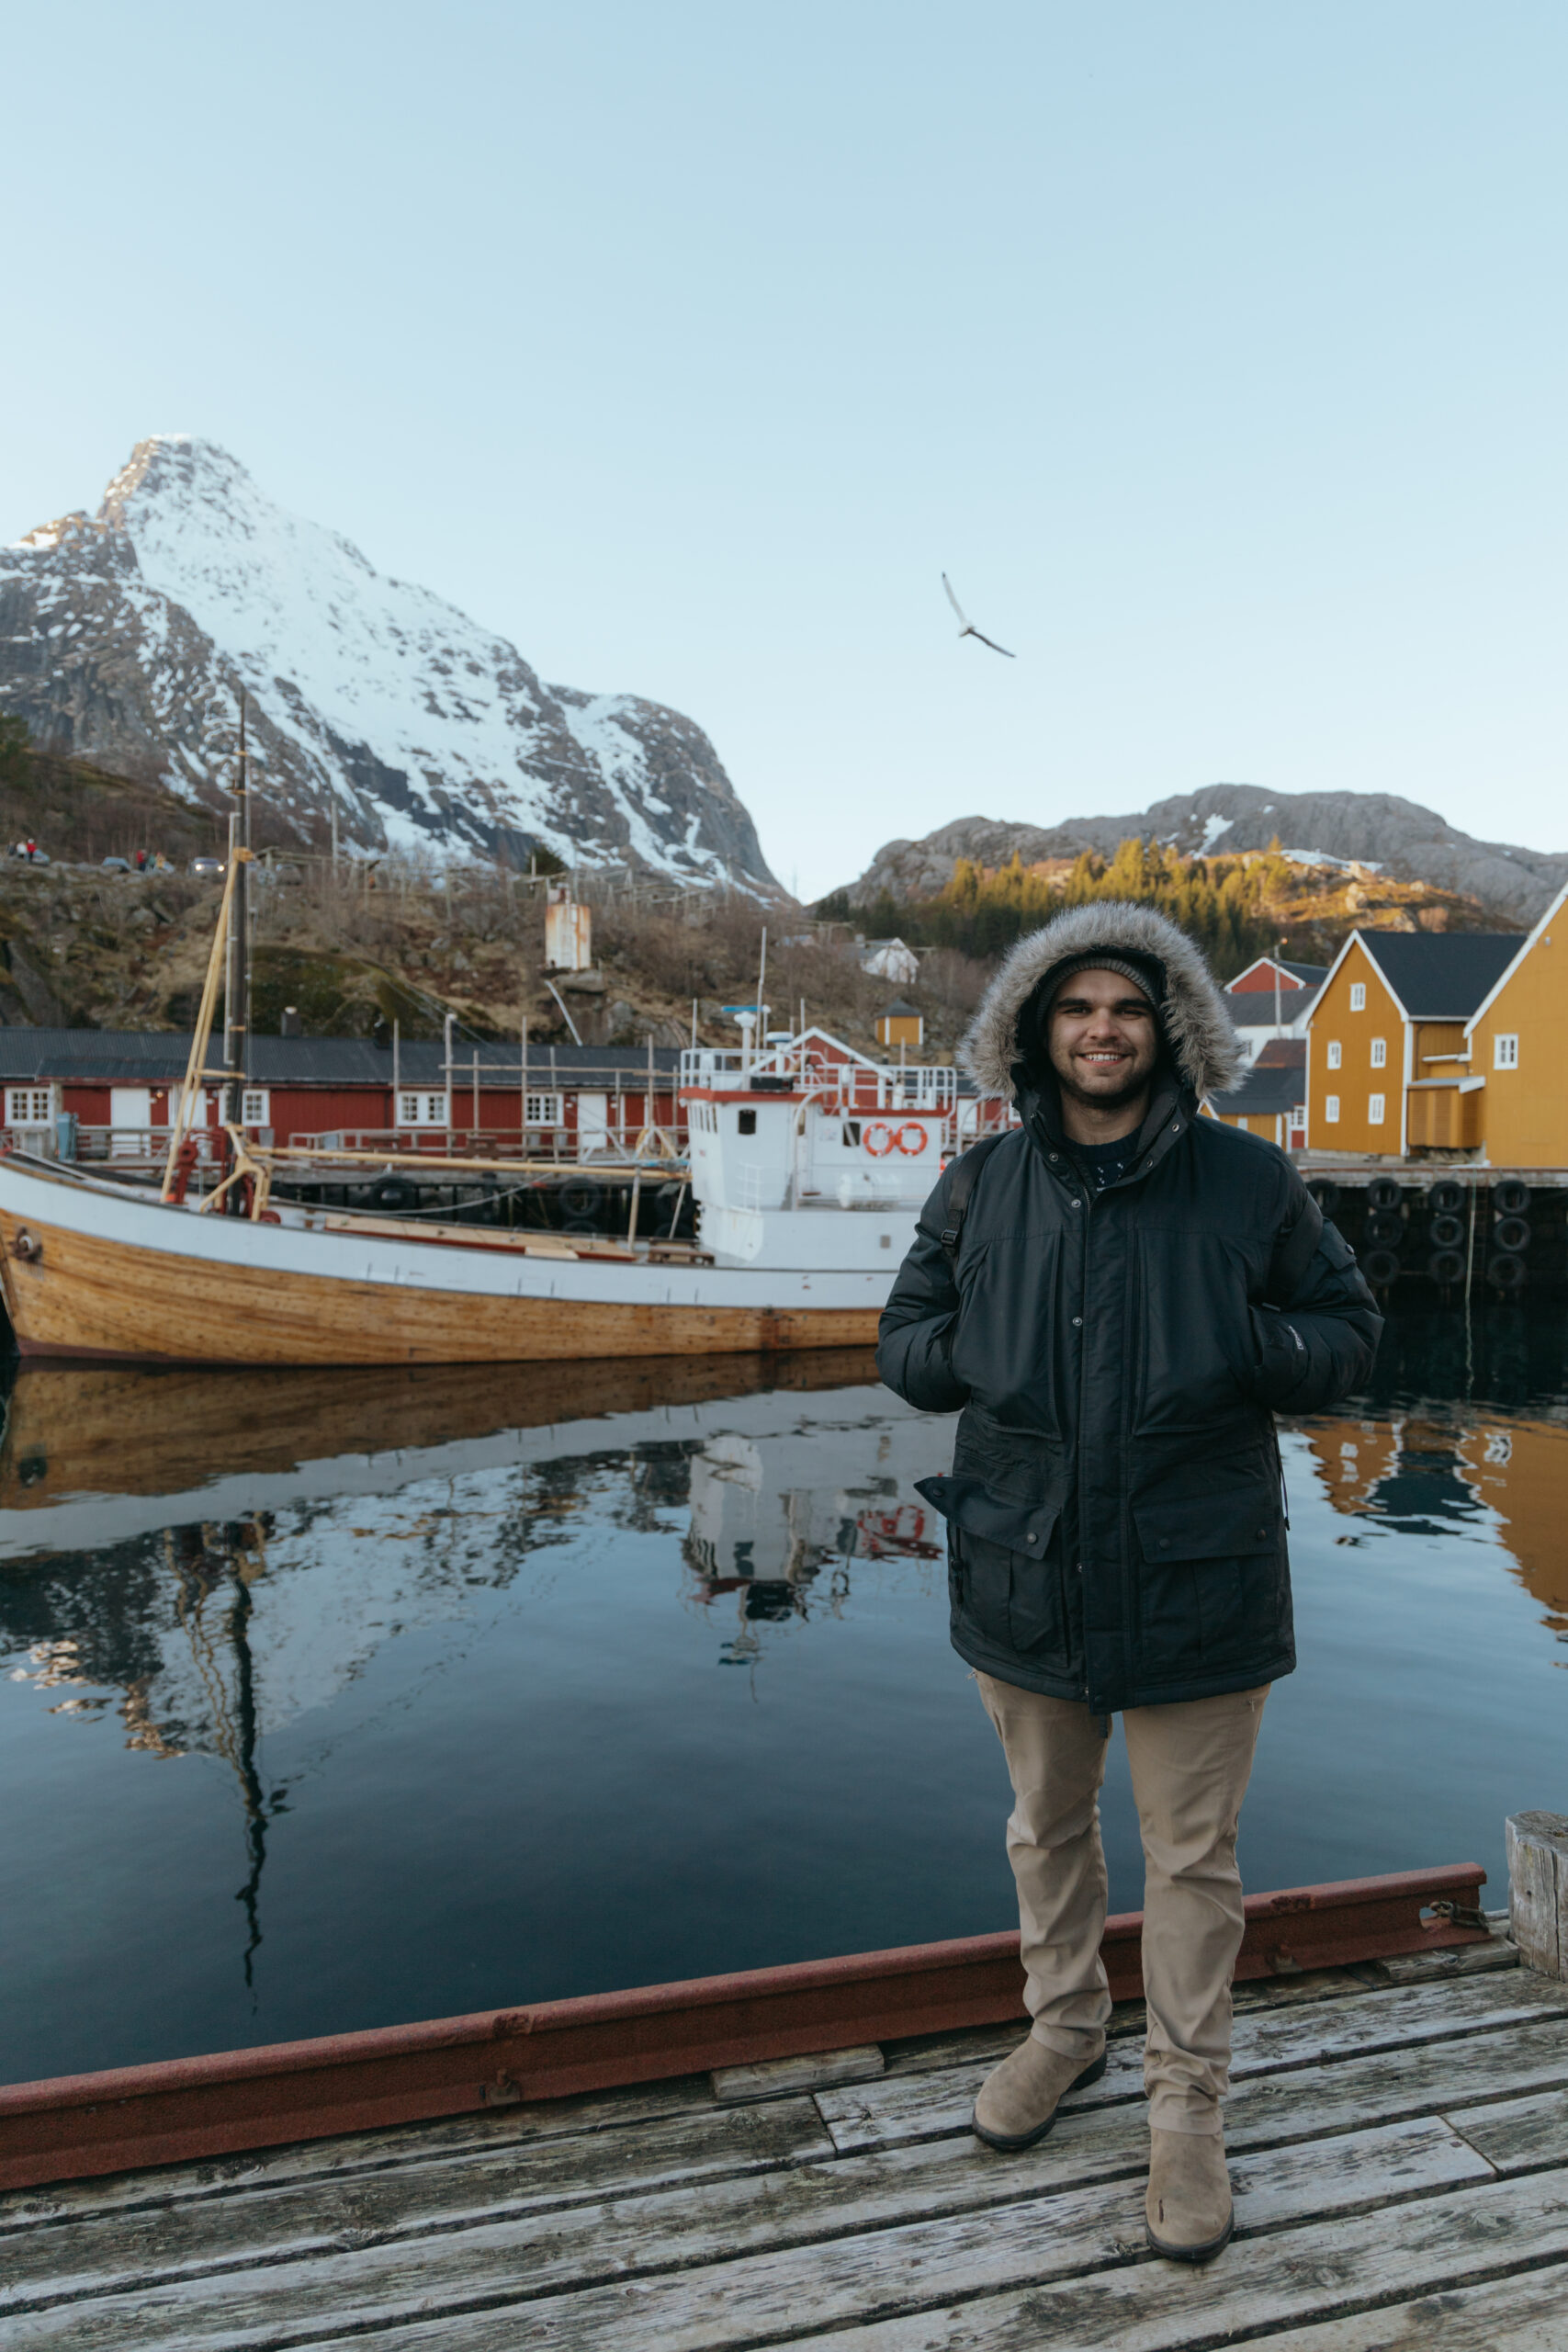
129,636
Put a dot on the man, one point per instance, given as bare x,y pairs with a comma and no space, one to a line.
1121,1293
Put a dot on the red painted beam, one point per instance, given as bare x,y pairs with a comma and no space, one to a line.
190,2108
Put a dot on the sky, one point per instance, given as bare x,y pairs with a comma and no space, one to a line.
1218,353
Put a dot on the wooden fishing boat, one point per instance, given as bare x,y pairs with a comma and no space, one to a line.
808,1167
805,1206
90,1274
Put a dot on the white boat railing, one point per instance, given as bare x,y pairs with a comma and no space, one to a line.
881,1086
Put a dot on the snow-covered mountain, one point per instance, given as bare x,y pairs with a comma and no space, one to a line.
1374,828
127,635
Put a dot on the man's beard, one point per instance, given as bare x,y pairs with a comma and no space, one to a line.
1128,1091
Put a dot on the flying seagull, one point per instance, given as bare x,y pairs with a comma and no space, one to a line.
968,627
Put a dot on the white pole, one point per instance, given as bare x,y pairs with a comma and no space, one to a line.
397,1072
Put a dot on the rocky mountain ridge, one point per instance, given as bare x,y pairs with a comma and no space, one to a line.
126,635
1387,834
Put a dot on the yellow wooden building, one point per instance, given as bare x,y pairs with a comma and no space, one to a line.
1387,1066
900,1024
1517,1048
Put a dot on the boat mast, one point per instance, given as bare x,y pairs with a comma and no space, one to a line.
237,981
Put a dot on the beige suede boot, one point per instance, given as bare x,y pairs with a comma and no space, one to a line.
1018,2099
1188,2207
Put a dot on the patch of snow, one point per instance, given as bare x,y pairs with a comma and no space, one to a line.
1321,857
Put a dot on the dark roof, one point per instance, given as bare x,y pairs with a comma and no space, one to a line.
1442,974
1264,1093
1256,1009
151,1057
1283,1053
900,1008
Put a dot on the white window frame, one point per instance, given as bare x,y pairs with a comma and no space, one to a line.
1377,1110
32,1106
1336,1053
1506,1049
541,1110
422,1106
1331,1109
1380,1053
255,1106
1358,996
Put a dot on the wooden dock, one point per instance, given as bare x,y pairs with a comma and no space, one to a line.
1398,2133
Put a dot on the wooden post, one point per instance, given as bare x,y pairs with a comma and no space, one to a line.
1538,1890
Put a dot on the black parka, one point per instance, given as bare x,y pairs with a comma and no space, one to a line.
1115,1511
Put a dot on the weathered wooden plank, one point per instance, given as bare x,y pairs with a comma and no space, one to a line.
910,2107
1519,2134
1537,1889
323,2214
1459,1960
413,2144
775,2077
737,2301
1525,2313
728,2216
1327,2273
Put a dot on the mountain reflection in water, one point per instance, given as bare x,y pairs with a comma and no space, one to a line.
340,1699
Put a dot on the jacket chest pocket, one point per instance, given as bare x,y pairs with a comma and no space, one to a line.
1008,1332
1194,1346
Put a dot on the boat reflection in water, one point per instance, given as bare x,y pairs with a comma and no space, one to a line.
438,1649
149,1507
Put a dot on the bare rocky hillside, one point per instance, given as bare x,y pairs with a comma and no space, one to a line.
1394,837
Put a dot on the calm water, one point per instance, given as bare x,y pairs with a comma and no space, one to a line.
339,1701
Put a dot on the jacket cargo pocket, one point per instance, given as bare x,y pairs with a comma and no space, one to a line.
1003,1575
1209,1583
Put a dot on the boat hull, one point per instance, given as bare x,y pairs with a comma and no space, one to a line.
110,1280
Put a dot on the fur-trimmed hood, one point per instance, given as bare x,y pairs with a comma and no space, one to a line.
1196,1025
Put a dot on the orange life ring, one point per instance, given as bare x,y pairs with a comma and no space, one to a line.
879,1128
917,1129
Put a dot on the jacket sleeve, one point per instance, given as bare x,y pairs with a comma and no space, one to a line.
915,1337
1319,1341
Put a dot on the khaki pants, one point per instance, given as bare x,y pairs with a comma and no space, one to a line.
1190,1766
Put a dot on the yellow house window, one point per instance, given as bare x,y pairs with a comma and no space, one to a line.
1331,1109
1375,1109
1358,996
1380,1053
1335,1052
1505,1050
